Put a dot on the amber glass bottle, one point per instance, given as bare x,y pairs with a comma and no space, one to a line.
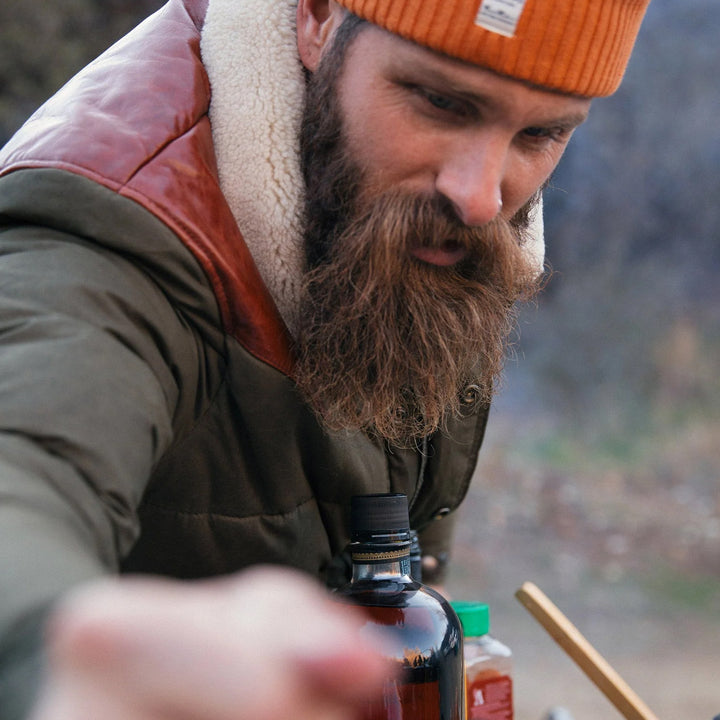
424,633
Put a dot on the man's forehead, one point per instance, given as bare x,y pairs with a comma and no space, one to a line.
457,74
406,62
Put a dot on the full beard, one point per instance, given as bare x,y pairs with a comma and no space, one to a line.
387,343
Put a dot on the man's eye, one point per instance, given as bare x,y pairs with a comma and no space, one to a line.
544,133
536,132
440,101
444,103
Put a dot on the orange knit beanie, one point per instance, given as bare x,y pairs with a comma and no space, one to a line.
574,46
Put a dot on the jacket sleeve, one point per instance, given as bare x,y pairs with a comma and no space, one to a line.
97,367
436,541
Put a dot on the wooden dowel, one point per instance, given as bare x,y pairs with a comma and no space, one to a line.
583,653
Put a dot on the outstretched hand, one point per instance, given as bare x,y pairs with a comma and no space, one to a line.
264,644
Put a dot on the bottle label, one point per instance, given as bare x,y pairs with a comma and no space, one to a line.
490,698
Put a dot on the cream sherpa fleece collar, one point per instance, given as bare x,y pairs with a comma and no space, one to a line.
257,84
249,50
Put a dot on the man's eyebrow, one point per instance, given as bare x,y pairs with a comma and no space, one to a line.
569,122
443,82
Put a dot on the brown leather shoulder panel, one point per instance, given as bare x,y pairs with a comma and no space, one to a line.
135,120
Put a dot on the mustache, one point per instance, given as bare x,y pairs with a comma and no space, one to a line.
400,222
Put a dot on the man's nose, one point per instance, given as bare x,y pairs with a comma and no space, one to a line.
471,180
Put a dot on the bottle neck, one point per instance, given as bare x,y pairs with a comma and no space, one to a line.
377,565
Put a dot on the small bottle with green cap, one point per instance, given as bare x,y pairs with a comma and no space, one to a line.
488,665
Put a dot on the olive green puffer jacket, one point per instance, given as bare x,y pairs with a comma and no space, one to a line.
148,417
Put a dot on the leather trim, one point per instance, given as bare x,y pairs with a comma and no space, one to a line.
136,122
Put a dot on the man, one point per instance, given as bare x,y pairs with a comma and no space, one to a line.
257,259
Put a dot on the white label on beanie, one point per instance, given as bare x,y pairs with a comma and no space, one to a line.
500,16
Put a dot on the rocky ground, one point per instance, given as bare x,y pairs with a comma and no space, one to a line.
631,556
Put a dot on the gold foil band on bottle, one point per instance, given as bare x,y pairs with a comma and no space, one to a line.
381,556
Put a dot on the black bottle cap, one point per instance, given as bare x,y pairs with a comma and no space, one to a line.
380,513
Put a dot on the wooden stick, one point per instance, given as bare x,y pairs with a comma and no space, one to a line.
583,653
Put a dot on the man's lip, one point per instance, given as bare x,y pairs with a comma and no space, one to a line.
443,257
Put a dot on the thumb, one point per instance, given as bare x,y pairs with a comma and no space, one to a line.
352,662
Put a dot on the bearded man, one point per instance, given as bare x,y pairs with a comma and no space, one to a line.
259,257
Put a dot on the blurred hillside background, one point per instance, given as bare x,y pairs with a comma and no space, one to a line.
600,477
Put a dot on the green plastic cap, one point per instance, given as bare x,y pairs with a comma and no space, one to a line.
474,616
